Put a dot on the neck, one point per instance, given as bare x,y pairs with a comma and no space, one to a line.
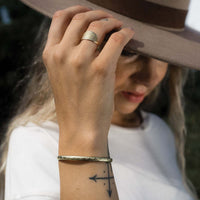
129,120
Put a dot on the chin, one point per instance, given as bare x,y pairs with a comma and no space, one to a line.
126,109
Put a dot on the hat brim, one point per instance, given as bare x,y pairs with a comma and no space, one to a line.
177,48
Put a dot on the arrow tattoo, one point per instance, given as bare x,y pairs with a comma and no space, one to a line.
95,178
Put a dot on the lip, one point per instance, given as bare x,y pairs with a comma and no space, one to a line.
134,97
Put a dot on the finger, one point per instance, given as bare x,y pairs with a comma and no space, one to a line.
114,46
101,28
60,21
79,24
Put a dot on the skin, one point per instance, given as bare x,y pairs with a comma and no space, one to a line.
135,73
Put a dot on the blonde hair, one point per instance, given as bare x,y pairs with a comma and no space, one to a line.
37,105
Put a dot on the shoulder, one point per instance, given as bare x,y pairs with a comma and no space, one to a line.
160,131
32,165
32,142
31,132
156,122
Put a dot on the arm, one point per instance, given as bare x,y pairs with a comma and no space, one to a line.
84,179
83,87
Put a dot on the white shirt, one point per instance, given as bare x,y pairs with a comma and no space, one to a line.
144,162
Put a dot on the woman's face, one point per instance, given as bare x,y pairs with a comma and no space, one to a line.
139,75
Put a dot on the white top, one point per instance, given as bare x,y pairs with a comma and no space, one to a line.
144,162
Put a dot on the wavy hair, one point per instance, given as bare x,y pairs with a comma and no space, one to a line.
37,105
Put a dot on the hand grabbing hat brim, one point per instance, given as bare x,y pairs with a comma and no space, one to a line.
181,49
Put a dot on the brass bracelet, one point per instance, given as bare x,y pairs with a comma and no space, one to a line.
85,158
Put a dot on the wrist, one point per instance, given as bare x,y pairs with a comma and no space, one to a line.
81,144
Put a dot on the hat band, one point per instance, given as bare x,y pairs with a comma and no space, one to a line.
147,12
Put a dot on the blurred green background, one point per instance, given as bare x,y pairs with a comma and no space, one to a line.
18,28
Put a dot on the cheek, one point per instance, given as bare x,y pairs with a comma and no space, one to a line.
162,71
120,76
119,80
124,70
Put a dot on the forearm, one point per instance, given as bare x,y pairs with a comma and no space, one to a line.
86,180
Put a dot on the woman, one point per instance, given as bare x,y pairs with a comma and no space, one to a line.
87,101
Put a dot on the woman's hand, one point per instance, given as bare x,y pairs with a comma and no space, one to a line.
82,79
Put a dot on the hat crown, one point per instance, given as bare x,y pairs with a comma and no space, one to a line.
166,14
177,4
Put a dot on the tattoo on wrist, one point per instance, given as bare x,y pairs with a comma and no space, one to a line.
107,178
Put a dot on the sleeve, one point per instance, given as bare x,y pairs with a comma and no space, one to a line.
32,168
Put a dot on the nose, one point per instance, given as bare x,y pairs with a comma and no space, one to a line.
146,73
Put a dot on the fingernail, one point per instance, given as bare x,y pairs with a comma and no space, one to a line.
132,30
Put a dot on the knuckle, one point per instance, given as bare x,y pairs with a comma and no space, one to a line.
45,55
78,6
102,12
76,61
100,70
58,13
96,24
79,16
118,37
58,56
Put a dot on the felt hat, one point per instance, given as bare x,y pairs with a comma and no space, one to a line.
159,25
